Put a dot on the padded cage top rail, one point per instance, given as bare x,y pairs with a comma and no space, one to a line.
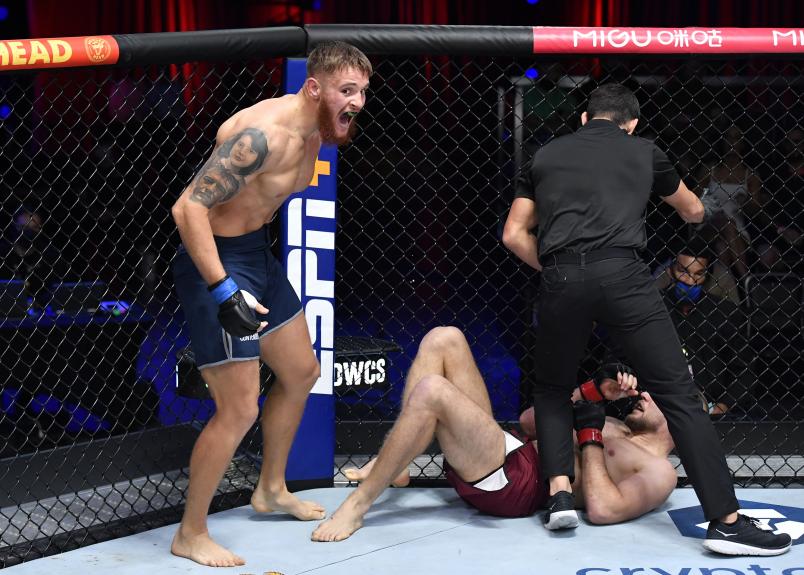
177,47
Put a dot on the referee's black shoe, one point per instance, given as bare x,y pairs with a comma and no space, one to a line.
561,512
745,537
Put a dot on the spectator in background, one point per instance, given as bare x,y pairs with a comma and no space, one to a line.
28,254
719,280
733,185
778,229
711,330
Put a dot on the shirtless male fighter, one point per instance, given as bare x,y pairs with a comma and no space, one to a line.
496,472
236,298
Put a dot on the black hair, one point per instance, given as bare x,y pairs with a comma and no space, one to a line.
697,247
613,101
259,144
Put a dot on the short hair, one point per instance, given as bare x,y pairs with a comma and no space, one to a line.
331,57
698,248
614,101
258,143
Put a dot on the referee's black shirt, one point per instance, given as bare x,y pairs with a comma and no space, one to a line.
591,188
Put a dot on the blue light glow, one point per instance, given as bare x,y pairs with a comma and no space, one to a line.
533,1
532,73
5,111
3,12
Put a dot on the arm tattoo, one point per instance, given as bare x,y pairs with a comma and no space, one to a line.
214,184
223,175
245,152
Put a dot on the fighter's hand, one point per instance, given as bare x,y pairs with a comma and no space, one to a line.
236,308
588,419
612,381
617,381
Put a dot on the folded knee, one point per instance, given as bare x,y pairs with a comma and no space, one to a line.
430,393
442,339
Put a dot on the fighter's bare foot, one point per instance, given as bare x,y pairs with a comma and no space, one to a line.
202,549
358,475
345,521
264,502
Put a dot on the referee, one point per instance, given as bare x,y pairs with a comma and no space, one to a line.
588,192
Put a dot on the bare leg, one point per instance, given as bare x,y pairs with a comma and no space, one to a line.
289,352
234,387
471,439
359,474
412,432
443,351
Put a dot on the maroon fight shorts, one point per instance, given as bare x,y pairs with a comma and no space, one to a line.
513,490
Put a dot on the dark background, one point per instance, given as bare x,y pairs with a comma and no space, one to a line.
102,154
44,18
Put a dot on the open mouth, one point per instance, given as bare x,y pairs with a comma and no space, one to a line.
345,118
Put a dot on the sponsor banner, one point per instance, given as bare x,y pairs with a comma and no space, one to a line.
312,455
588,40
730,568
368,372
308,220
309,257
308,252
58,52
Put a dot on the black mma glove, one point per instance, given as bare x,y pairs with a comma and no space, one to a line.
588,420
592,391
235,308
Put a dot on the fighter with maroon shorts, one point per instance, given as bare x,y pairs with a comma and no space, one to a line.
498,473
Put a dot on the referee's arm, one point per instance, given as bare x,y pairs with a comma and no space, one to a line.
686,204
671,188
517,235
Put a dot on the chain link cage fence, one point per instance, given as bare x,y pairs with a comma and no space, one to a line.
95,438
424,195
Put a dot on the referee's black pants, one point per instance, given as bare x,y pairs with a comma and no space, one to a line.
619,293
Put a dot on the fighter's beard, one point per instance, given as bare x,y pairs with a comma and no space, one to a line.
326,127
640,425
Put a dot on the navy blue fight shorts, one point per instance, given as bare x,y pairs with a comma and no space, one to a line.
250,263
